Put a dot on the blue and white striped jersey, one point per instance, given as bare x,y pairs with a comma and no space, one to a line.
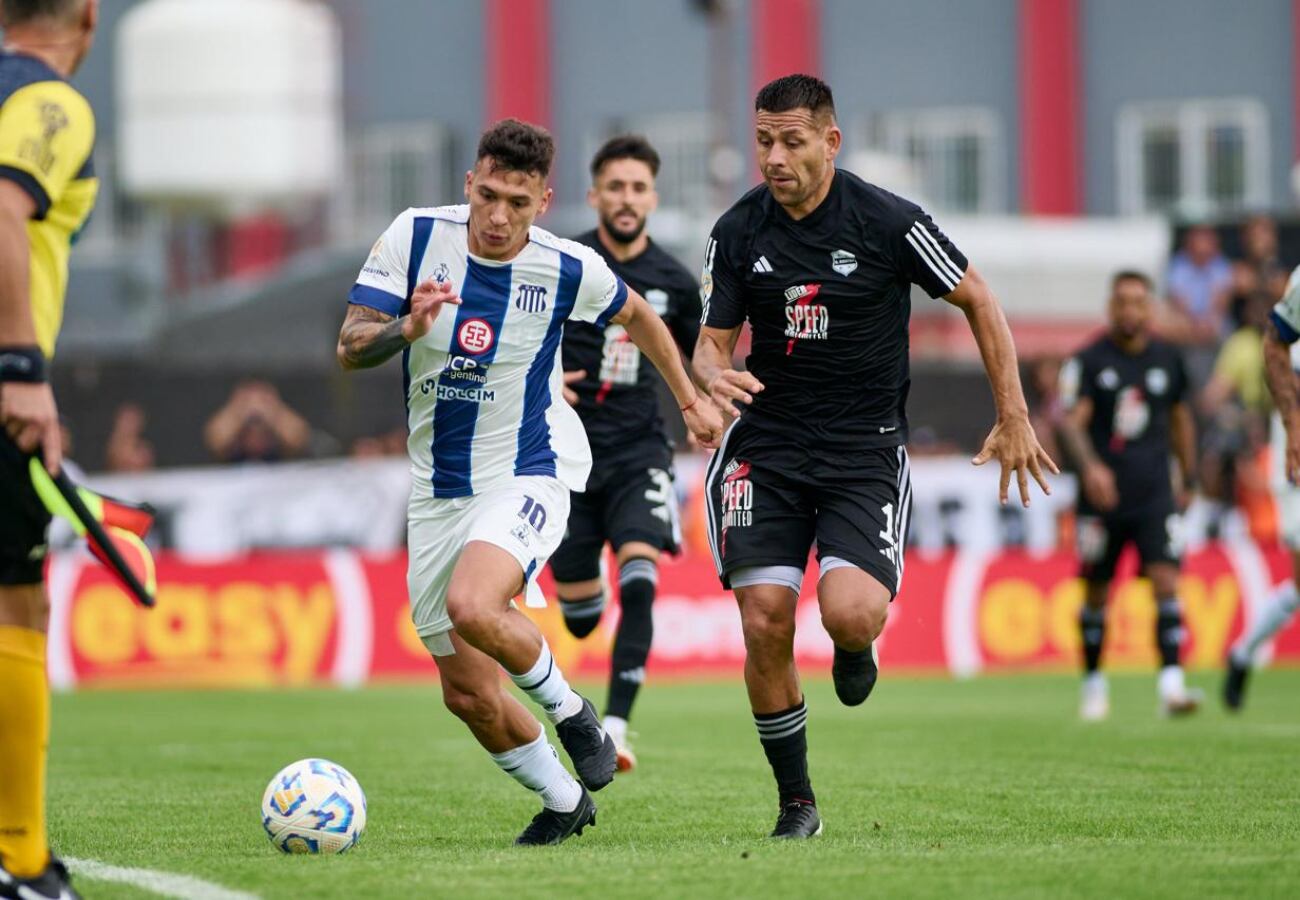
484,387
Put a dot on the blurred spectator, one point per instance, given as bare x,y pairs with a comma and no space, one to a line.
1200,285
256,425
1045,407
74,471
128,450
390,443
1259,270
1235,405
925,441
1239,368
367,448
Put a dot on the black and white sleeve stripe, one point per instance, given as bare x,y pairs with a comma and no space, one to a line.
930,259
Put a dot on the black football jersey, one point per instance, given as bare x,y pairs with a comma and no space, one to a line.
618,399
1132,398
828,301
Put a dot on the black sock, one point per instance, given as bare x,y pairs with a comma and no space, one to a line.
582,615
637,580
1169,631
1092,627
853,656
784,736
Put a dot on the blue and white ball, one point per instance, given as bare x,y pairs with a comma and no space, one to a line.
314,806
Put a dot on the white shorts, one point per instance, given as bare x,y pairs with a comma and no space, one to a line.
1285,494
525,517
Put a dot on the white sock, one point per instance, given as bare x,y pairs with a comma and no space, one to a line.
1095,681
537,767
1171,682
544,683
1281,606
616,728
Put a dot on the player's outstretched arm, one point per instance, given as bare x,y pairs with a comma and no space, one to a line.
648,331
1012,441
1282,385
370,337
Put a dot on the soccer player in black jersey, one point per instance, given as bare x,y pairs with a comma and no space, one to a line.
821,263
629,500
1126,399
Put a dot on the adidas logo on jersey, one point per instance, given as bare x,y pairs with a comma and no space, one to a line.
762,266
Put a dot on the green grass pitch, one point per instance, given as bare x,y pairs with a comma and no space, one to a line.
934,788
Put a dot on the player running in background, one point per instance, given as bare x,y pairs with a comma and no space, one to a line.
1282,361
47,189
1127,408
629,500
494,448
821,263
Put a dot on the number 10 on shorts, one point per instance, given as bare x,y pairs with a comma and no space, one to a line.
534,514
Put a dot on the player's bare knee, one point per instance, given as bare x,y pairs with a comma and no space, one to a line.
854,627
1164,581
468,613
767,622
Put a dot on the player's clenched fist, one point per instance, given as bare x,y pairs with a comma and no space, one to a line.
704,423
730,387
426,303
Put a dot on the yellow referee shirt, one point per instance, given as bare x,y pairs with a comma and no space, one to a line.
47,131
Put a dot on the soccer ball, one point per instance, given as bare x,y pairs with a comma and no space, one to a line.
314,806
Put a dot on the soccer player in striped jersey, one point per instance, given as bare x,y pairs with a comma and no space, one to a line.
1282,363
494,448
47,190
821,264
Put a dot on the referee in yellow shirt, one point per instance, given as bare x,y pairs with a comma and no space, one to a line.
47,189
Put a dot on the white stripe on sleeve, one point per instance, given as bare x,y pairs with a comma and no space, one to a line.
944,259
943,276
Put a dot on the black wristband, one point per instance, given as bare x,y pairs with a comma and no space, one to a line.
25,364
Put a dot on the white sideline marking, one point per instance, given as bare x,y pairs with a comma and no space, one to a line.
166,884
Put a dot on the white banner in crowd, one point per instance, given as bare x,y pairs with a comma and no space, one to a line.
219,512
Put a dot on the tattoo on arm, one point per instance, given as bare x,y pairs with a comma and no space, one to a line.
369,338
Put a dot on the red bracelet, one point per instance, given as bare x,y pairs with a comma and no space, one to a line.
687,407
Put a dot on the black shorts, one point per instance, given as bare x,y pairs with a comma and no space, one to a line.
1102,537
624,502
23,520
761,515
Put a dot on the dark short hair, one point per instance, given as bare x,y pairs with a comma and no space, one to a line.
1130,275
17,12
518,147
625,146
795,92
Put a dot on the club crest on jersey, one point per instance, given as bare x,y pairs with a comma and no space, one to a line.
1157,381
658,300
804,319
844,262
531,298
442,273
475,336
